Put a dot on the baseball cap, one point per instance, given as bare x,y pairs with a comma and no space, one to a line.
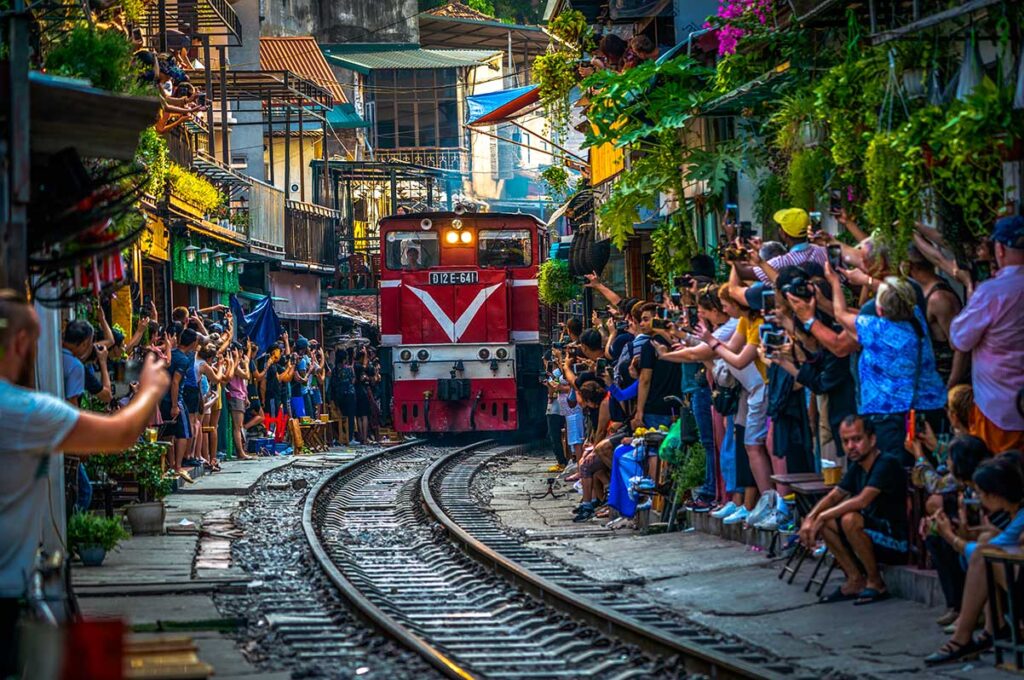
794,221
1010,231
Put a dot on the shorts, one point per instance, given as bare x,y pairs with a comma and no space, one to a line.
755,423
314,396
888,549
236,405
190,395
574,427
179,428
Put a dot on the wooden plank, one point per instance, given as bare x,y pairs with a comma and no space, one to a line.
931,20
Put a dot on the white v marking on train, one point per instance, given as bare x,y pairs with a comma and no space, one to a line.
454,329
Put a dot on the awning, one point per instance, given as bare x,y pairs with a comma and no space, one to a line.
501,106
344,117
368,57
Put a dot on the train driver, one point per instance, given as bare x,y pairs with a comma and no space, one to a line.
412,258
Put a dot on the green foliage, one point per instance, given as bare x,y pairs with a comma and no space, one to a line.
133,10
848,99
555,71
557,179
691,473
673,244
207,275
628,107
715,167
771,197
153,154
554,285
86,530
142,463
808,170
791,121
882,169
193,189
656,171
103,57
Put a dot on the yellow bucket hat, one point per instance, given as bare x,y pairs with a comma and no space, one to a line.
794,221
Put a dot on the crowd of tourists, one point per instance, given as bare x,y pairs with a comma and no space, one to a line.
899,369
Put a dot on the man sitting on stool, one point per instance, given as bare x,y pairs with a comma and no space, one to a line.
863,519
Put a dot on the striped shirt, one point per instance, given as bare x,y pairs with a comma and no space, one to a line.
797,255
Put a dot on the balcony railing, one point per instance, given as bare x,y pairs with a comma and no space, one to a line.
453,159
266,220
309,233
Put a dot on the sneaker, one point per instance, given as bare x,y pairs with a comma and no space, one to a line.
569,469
556,468
586,513
737,517
764,508
578,486
698,505
724,511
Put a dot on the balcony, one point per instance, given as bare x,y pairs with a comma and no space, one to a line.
309,233
452,159
213,18
266,220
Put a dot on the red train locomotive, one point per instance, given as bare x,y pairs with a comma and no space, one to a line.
460,321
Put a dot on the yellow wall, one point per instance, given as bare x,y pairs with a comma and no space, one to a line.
311,152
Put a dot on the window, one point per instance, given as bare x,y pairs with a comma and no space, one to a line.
415,108
411,250
504,248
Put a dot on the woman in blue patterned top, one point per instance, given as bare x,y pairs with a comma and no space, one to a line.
897,367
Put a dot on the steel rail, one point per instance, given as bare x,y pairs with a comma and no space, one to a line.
695,657
363,607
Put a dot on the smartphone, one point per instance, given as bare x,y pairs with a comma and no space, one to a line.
767,300
732,213
835,256
676,298
912,425
774,338
815,219
602,364
746,230
835,201
201,99
692,319
660,324
137,34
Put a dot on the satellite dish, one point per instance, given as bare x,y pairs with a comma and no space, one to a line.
426,224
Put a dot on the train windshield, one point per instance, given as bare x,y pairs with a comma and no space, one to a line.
504,248
411,250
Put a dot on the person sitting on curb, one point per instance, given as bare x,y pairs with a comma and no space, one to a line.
863,519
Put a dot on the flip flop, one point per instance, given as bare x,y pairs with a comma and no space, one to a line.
870,596
837,595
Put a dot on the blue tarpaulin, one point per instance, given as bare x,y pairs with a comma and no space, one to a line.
260,325
494,107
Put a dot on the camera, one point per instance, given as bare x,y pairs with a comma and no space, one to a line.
621,326
681,282
800,288
602,364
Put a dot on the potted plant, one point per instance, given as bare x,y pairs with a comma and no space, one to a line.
140,464
554,285
92,536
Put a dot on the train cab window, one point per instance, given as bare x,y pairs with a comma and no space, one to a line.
504,248
411,250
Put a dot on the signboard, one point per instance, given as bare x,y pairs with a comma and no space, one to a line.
452,278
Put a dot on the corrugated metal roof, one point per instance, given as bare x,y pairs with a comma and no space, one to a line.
302,56
366,57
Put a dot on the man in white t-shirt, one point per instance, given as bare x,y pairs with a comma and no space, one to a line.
33,426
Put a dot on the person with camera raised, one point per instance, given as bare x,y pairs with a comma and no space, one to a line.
896,369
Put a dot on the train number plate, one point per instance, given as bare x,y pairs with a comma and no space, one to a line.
452,278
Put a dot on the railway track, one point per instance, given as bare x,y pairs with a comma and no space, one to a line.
400,536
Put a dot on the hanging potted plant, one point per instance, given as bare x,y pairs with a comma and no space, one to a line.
92,537
554,285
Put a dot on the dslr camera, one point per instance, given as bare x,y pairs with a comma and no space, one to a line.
733,253
800,288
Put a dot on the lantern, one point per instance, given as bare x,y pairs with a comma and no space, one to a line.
204,255
190,252
218,259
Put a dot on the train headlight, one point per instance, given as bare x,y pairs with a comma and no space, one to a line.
451,237
405,355
423,355
466,237
484,353
502,353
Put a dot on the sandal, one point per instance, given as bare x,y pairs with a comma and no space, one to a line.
870,596
603,512
952,651
837,595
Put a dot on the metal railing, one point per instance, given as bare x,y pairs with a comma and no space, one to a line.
266,219
309,233
452,158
